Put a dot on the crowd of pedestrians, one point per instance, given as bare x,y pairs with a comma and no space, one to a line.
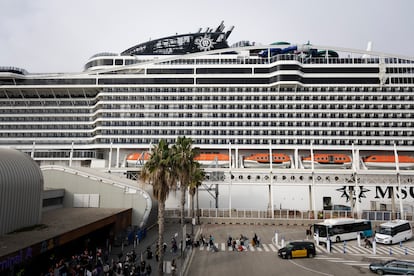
240,244
97,263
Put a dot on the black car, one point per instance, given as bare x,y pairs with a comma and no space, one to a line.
393,267
297,249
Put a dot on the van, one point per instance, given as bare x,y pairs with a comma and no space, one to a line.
297,249
394,232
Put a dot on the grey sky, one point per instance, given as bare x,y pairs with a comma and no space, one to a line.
60,36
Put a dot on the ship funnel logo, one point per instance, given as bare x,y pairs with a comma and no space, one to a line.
204,43
350,193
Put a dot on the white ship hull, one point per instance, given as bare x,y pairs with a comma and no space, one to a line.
255,164
214,164
316,165
388,165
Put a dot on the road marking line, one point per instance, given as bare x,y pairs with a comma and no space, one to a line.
265,248
308,269
358,264
274,249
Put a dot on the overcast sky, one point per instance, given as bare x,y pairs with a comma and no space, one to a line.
60,36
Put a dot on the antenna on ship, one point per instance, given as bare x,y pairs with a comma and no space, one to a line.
220,28
369,49
229,31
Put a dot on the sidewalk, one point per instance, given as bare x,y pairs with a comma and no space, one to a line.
172,229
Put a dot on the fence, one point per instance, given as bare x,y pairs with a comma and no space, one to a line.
288,214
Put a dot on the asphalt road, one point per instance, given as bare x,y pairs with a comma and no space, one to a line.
264,260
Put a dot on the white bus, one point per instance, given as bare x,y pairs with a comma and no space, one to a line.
341,229
394,232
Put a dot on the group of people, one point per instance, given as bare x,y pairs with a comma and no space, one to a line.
240,244
243,242
95,263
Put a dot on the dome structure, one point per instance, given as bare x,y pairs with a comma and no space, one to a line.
21,186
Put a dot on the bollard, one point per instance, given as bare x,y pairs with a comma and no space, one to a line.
276,238
344,247
405,251
374,247
359,239
390,251
328,245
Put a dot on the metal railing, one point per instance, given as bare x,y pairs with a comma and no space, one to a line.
288,214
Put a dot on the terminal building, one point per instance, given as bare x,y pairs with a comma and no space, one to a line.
45,213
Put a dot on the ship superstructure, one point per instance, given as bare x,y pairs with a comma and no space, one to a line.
238,100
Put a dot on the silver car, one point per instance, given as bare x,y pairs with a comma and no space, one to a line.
393,267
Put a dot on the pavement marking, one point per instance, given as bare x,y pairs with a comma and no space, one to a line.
327,258
341,261
308,269
355,250
273,248
358,264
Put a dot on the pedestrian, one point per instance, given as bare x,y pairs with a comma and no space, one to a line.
148,270
149,253
173,267
368,243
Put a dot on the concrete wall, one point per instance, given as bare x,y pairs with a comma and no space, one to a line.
110,196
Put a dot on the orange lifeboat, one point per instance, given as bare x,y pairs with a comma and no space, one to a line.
388,161
260,160
325,160
220,160
137,159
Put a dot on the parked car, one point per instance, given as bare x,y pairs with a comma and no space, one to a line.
393,267
297,249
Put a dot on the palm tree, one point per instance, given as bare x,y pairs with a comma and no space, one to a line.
197,177
184,154
158,170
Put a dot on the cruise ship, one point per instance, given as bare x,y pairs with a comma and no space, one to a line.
304,102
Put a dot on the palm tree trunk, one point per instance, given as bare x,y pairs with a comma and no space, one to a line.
161,210
192,214
183,194
198,209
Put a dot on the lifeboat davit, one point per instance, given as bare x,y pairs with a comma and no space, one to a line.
328,160
388,161
219,160
137,159
262,160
